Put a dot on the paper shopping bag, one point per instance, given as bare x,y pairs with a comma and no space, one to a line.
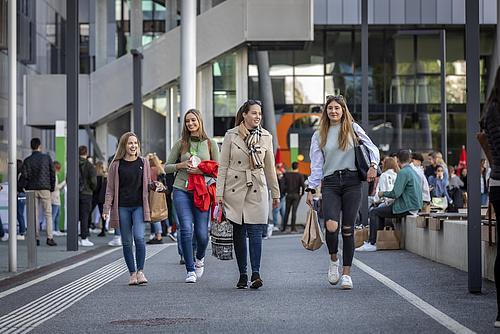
313,237
360,236
388,238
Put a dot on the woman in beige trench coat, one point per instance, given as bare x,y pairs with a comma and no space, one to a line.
246,161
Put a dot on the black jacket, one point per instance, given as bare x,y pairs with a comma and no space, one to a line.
491,126
38,172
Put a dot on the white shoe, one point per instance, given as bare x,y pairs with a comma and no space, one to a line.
5,237
199,266
56,233
151,236
117,241
333,272
346,283
367,247
86,243
270,230
191,277
20,237
276,228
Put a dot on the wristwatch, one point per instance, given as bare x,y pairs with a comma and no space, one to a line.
310,190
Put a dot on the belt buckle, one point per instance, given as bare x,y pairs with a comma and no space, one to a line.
249,184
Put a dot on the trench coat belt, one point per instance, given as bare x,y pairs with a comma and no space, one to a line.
252,180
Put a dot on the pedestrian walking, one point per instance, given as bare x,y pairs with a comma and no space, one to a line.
247,160
38,174
56,200
294,190
191,150
333,161
99,195
490,124
485,175
126,202
87,171
157,174
21,203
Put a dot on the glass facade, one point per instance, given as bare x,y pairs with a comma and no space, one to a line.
404,84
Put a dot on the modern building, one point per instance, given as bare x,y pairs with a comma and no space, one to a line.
313,47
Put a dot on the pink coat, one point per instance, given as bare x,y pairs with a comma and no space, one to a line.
113,189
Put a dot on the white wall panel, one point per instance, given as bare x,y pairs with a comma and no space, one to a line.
334,10
428,11
352,12
380,11
397,12
412,12
320,13
490,12
443,11
458,11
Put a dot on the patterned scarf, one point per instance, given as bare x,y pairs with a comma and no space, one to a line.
252,139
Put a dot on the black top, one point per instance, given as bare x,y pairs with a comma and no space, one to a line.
294,183
130,175
491,125
38,173
429,171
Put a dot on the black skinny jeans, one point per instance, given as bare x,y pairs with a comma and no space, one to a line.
291,203
495,200
341,194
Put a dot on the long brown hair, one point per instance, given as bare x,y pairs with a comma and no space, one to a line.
346,132
186,133
390,163
121,151
100,169
155,162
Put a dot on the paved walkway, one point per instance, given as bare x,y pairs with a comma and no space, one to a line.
394,292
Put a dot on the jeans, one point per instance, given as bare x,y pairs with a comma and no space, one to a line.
495,201
281,210
484,199
190,215
315,201
85,210
292,203
342,193
254,232
156,227
21,204
56,213
132,225
377,219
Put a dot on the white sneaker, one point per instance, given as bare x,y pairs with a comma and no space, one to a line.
333,272
5,237
20,237
191,277
56,233
199,267
151,236
116,241
86,243
346,283
367,247
270,230
276,228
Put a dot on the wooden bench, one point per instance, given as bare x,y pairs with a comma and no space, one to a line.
435,219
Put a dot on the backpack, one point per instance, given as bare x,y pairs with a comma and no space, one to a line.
81,181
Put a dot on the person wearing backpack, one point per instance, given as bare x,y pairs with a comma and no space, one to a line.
86,194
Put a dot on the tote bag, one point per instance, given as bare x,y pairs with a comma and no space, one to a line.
312,238
157,206
222,235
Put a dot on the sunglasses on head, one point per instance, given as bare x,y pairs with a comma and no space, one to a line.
336,97
255,102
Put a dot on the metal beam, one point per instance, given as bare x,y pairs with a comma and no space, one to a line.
473,148
12,163
137,80
364,95
188,56
97,149
72,69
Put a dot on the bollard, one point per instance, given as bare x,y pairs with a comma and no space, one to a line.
31,228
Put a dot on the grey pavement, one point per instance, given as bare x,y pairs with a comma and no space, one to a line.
394,292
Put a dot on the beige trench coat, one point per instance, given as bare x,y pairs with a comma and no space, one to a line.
245,190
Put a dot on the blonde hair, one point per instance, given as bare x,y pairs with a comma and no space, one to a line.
100,169
122,146
155,162
346,133
390,163
186,133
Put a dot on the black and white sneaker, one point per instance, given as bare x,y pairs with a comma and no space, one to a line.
243,282
256,281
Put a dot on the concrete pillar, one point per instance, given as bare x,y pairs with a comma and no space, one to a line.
170,15
204,98
101,35
266,95
135,24
241,77
188,56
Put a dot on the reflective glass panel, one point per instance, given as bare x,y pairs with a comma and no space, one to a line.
309,90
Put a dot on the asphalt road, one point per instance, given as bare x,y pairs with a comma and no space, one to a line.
394,292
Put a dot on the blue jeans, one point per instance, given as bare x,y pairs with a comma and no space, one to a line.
484,199
21,204
315,201
281,210
56,213
189,214
132,225
156,227
254,232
